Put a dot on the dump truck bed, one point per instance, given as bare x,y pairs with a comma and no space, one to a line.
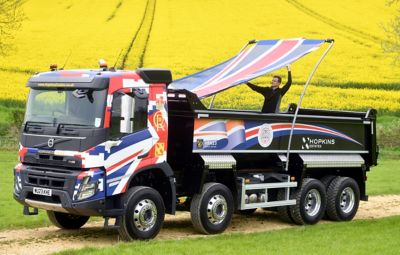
232,131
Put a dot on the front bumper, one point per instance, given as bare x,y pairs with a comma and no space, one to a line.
64,184
60,201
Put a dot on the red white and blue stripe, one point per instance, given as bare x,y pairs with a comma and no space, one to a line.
243,135
261,58
283,129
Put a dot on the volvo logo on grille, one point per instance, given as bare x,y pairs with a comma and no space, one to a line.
50,143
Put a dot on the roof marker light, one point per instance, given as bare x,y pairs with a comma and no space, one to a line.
103,64
53,67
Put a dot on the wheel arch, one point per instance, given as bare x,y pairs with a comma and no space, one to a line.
161,178
226,177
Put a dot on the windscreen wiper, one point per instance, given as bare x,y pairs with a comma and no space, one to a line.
34,122
70,124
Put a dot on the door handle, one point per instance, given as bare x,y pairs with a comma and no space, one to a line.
143,155
109,144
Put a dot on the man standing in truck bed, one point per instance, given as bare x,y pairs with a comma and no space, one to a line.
273,94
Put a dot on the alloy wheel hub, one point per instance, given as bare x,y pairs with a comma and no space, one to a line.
217,209
145,215
312,203
347,200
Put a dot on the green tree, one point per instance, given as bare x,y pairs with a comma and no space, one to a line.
11,17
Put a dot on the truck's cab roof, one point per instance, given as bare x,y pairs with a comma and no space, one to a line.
95,78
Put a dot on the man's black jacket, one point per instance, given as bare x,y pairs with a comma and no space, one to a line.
272,97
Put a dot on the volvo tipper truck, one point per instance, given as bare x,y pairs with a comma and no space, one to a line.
134,145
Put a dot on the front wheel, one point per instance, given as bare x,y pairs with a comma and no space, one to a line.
144,214
343,199
211,211
66,220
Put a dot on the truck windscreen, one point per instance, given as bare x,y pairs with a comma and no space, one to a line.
80,107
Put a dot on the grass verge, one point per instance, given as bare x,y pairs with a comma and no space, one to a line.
11,211
383,179
356,237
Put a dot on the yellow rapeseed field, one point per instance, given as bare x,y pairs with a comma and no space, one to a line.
188,36
192,35
88,30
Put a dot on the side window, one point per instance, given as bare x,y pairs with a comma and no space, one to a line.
128,113
140,109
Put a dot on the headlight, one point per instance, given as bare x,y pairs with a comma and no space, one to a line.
17,184
87,189
17,179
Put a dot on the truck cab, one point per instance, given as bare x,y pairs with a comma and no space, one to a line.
85,135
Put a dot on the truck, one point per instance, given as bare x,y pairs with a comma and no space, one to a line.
134,146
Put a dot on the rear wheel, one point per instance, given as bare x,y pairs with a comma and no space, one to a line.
66,220
211,211
326,180
144,214
343,199
310,202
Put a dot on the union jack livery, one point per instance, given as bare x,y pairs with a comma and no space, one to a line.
263,57
133,145
238,135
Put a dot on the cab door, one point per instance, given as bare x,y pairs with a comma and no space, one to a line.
130,139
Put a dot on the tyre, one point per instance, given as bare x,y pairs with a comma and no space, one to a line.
144,214
310,202
343,199
211,211
66,220
284,211
326,180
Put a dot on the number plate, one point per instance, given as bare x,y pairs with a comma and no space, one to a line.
42,191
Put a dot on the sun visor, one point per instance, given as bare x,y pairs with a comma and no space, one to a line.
155,75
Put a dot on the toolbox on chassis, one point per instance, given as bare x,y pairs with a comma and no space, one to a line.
123,145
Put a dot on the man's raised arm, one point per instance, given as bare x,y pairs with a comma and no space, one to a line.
256,88
288,83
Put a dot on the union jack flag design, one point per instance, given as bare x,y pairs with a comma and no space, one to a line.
261,58
246,135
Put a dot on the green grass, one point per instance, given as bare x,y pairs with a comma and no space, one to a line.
11,211
388,132
356,237
384,178
11,112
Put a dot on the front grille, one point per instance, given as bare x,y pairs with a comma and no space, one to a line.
43,159
46,181
50,178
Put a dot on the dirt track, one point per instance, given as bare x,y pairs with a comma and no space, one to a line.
51,239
